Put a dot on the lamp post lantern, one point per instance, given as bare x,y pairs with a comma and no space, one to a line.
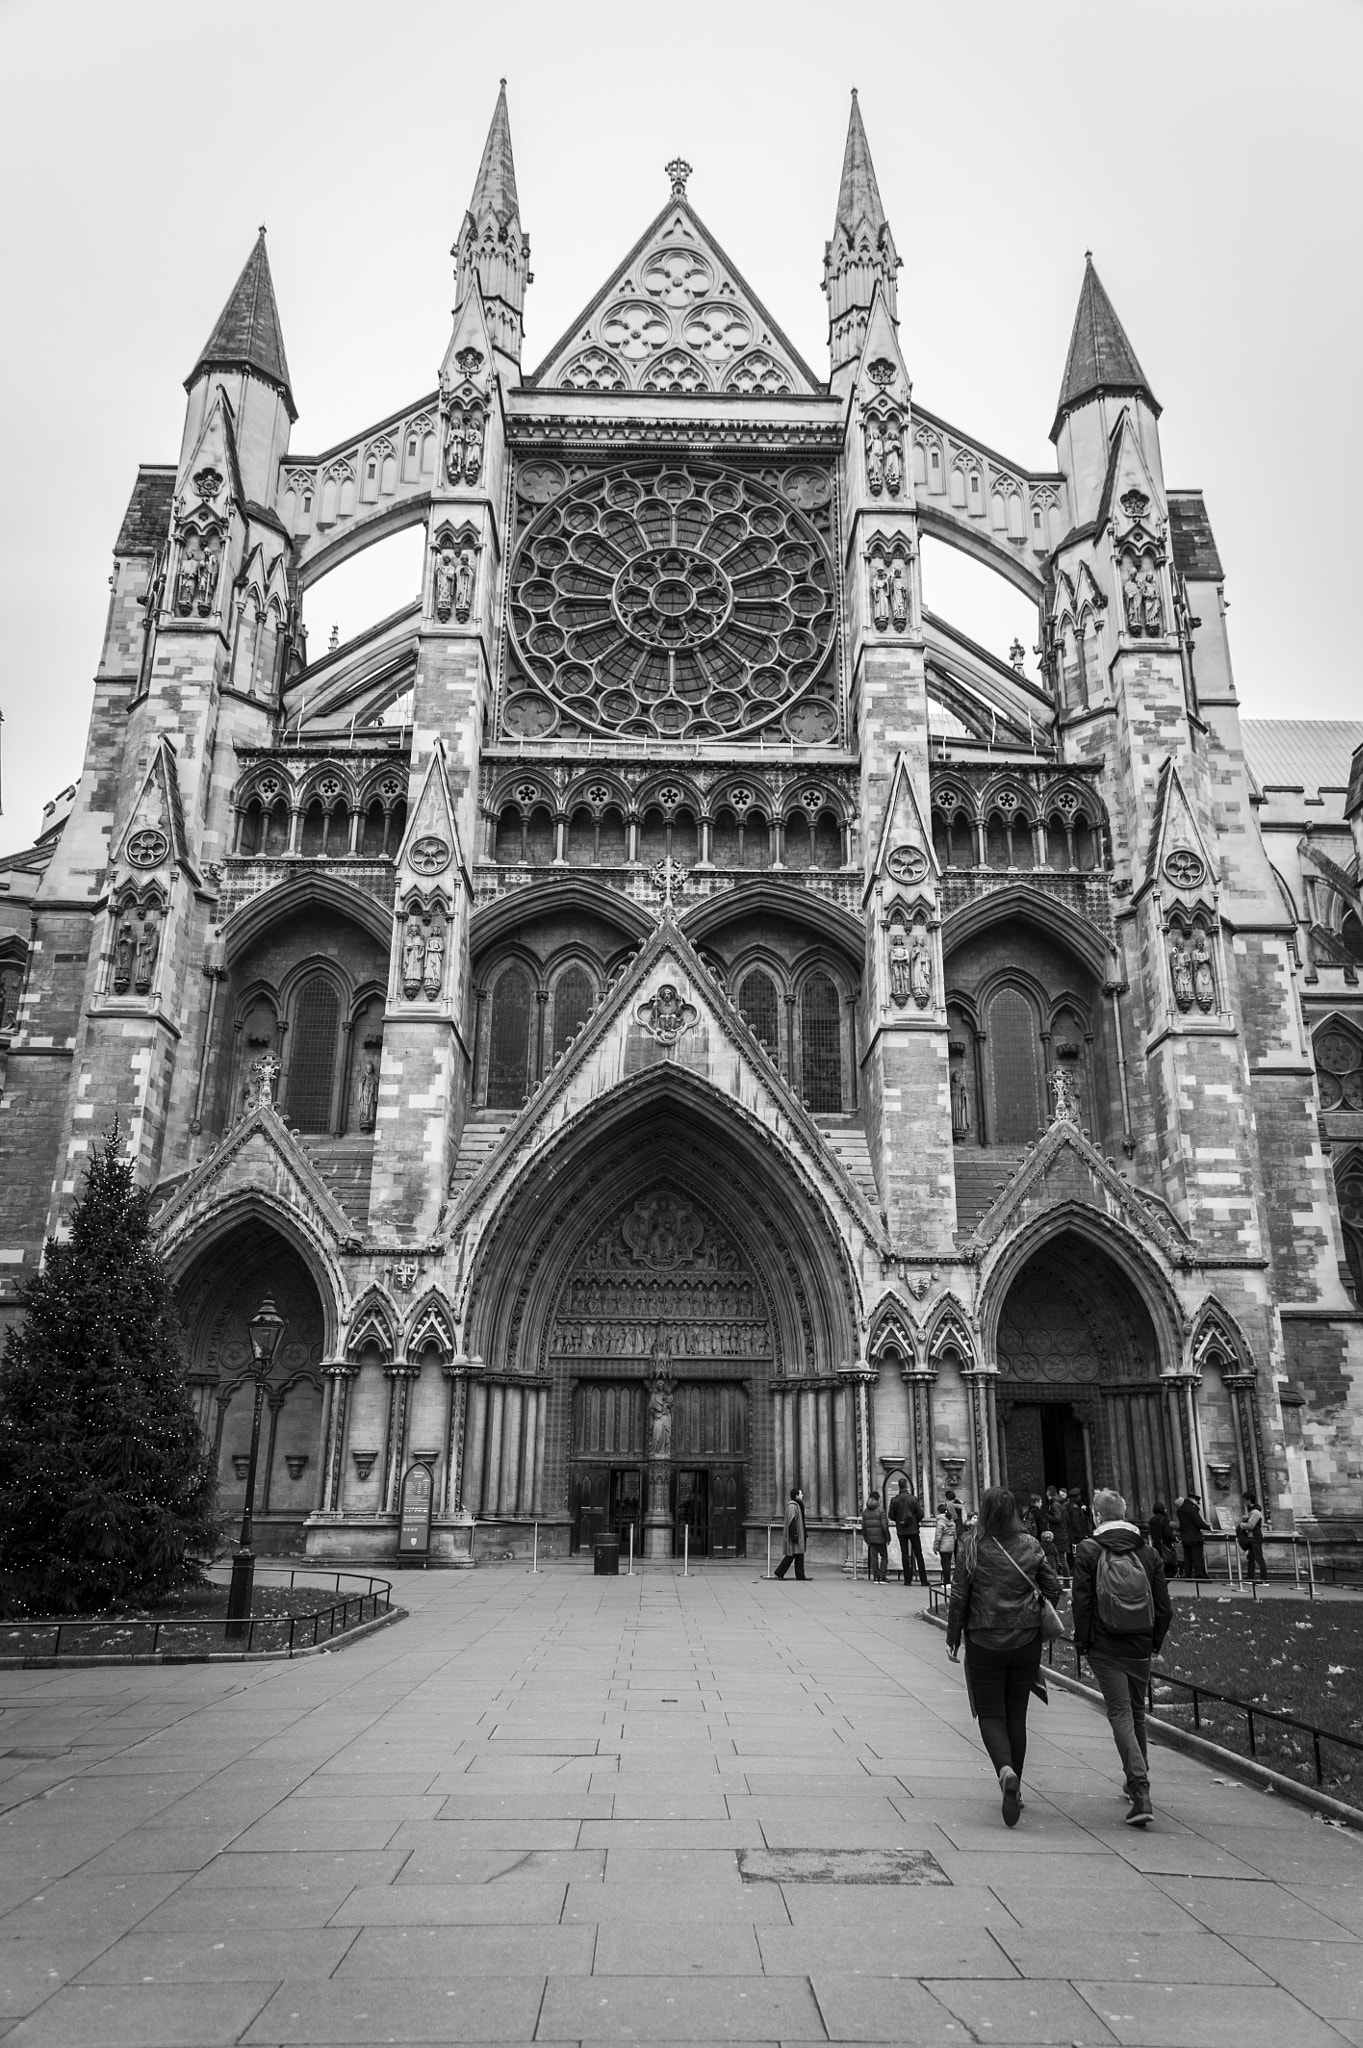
266,1327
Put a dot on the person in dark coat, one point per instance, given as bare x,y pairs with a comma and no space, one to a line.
795,1536
906,1512
996,1606
875,1529
1162,1538
1193,1530
1078,1523
1058,1523
1122,1612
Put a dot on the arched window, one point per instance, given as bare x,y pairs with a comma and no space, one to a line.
510,838
541,836
581,838
508,1067
652,837
312,1054
685,839
613,838
573,998
799,840
821,1045
1016,1078
277,828
760,1009
827,841
724,840
756,841
372,830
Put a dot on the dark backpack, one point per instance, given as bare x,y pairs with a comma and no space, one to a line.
1122,1594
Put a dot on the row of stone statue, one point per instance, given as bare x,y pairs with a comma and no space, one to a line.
689,1340
135,955
884,458
454,582
196,582
423,958
1191,972
719,1301
1143,602
890,601
911,967
262,1081
464,444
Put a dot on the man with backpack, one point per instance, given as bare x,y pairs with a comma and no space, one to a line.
906,1512
1122,1611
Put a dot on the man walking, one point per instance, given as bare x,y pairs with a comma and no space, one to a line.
906,1512
795,1537
1193,1530
1122,1612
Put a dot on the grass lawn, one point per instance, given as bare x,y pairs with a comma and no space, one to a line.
1302,1659
192,1625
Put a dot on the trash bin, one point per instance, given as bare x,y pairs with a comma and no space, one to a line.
606,1556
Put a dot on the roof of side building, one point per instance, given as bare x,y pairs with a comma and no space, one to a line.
146,523
1309,754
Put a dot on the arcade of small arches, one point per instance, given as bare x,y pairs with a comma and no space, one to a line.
599,825
329,814
1010,825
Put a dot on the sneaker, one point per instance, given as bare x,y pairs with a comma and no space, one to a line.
1012,1804
1142,1812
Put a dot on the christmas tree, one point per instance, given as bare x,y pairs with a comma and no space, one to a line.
106,1494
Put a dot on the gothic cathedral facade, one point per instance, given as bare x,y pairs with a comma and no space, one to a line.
664,1017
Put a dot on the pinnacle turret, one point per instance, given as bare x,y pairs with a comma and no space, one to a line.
248,336
492,244
1101,359
861,252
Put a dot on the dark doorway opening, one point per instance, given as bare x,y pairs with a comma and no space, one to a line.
606,1498
1043,1445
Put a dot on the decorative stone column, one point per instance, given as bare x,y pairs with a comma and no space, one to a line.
860,1378
920,1385
338,1379
399,1376
984,1429
457,1375
1185,1431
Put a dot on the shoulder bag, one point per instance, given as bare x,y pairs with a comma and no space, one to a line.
1051,1624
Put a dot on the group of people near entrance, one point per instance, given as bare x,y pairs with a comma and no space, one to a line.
1003,1586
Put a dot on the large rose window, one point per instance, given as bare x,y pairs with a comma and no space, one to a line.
673,603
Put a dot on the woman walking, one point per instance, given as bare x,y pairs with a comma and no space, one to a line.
795,1537
875,1528
1000,1576
945,1532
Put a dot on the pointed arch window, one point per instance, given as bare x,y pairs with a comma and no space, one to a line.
821,1045
313,1047
759,1008
572,1006
1015,1068
508,1070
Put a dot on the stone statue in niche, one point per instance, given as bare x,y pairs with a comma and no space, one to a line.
445,576
125,947
1204,981
463,585
1181,973
148,946
899,596
1065,1096
660,1394
960,1094
464,446
435,962
186,582
413,957
875,459
206,595
894,462
920,970
369,1095
880,594
1142,602
900,967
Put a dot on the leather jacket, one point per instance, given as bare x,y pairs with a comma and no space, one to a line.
989,1594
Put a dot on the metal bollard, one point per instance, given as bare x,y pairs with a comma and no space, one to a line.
535,1550
630,1573
686,1550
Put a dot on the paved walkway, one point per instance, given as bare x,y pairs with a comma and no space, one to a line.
518,1816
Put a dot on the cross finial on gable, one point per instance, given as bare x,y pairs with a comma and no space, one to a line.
678,171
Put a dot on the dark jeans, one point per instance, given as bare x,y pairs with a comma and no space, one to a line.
1254,1560
911,1556
1194,1560
787,1561
1001,1683
1123,1689
878,1560
946,1558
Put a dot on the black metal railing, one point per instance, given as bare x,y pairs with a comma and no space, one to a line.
280,1633
1199,1696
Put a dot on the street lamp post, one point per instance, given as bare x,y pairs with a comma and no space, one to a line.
266,1327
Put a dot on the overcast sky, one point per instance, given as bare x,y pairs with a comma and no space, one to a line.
1208,153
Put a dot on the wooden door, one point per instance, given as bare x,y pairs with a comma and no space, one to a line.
692,1512
726,1511
588,1503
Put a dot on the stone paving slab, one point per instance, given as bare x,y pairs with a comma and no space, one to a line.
519,1819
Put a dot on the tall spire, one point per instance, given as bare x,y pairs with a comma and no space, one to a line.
1101,359
861,253
492,244
248,335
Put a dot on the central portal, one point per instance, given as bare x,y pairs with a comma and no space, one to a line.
664,1336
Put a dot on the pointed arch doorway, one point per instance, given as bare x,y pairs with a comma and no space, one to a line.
660,1310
